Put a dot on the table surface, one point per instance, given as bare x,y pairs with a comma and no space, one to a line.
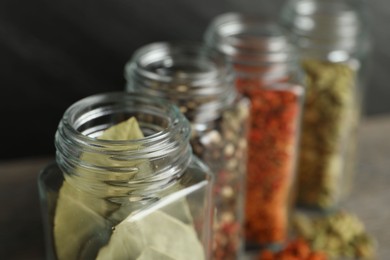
21,226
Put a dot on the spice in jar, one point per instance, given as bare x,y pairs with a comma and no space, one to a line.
333,52
79,215
330,120
223,147
272,141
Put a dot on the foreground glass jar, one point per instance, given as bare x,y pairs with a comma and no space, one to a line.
333,44
145,198
267,73
201,84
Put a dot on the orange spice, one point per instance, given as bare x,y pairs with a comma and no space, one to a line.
272,143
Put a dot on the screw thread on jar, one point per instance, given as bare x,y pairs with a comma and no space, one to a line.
332,30
113,167
199,82
256,47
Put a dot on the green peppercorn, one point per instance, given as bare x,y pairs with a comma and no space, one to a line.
329,120
339,234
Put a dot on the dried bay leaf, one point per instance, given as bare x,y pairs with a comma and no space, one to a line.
76,222
83,222
80,217
156,230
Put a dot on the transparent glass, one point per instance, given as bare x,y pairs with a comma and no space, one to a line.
332,39
146,198
200,83
268,74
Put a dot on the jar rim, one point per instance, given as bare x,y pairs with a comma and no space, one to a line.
239,35
324,27
110,98
118,166
182,72
178,62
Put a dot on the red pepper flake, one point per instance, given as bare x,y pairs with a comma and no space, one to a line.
272,153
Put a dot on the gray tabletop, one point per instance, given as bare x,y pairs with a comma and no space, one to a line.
21,228
370,198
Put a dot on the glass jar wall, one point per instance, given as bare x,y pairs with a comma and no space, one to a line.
268,74
333,43
200,83
125,184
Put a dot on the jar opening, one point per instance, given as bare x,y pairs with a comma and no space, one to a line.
321,27
178,63
81,155
247,38
200,82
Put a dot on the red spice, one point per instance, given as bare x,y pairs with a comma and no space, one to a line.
272,142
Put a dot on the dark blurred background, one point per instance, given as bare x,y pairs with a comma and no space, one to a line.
54,52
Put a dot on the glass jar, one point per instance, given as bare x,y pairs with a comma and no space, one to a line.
201,85
268,74
146,198
333,43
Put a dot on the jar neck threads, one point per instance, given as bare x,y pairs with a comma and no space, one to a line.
182,73
119,167
330,29
256,47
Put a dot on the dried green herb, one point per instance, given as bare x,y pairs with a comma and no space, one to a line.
157,230
92,227
80,223
329,121
340,234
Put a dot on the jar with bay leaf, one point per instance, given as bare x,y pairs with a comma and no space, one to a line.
200,83
332,38
267,72
125,184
